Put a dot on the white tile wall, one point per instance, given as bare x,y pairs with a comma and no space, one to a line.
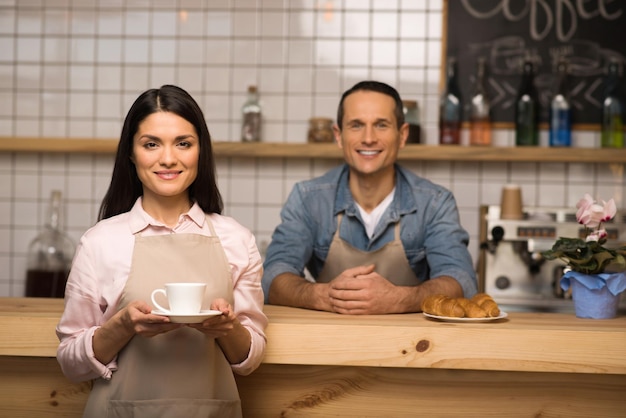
71,68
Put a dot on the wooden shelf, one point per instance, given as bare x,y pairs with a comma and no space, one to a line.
286,150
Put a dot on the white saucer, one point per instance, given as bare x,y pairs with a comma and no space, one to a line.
453,319
188,319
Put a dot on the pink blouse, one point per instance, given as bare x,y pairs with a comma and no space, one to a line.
101,267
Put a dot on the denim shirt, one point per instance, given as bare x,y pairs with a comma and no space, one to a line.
434,241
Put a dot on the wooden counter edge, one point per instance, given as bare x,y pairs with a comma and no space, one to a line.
316,338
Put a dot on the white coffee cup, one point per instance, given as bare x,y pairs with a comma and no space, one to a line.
183,298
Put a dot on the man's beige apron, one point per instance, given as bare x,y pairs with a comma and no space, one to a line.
390,259
181,373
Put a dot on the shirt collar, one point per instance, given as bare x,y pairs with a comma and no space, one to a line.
140,219
403,200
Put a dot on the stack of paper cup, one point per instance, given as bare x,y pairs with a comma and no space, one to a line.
511,202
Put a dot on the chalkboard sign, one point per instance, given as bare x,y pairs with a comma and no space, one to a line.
588,34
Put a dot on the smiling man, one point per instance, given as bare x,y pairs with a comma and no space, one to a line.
375,237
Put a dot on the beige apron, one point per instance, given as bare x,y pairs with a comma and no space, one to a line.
390,259
181,373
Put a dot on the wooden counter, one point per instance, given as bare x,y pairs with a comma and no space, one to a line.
321,364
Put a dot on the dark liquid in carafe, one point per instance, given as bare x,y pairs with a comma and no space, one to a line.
46,284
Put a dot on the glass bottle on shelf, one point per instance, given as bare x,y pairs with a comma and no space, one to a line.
527,109
49,255
560,111
613,108
451,107
251,117
480,109
411,116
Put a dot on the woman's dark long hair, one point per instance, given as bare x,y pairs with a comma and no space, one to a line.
125,186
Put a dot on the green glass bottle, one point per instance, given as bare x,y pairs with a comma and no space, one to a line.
527,109
613,109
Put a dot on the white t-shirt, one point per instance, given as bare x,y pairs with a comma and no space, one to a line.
371,219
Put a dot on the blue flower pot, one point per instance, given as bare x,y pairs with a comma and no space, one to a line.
595,296
594,303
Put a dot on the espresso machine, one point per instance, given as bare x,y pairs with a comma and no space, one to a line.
511,267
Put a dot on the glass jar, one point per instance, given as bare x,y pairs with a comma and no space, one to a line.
320,130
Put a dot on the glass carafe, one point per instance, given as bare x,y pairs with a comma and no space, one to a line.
50,255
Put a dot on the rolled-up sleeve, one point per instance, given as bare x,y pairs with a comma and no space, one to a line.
447,243
82,316
246,269
292,242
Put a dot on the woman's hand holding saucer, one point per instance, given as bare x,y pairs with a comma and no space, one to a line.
138,316
218,326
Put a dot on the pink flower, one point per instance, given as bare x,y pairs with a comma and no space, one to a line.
590,256
583,206
596,235
586,201
592,214
610,209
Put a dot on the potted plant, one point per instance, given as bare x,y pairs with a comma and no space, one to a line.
595,273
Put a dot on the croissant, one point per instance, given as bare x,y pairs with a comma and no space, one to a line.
487,303
472,309
442,305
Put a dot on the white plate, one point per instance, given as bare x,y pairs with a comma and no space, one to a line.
188,319
453,319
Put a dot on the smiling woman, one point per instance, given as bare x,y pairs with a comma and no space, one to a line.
160,222
165,153
167,104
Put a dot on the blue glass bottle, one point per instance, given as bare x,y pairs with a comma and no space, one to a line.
560,111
